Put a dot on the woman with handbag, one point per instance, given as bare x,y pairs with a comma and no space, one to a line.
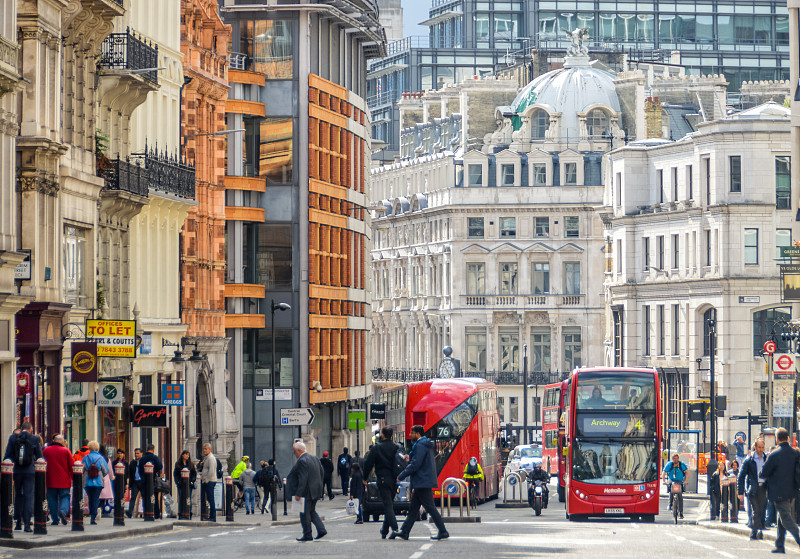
107,494
357,490
184,461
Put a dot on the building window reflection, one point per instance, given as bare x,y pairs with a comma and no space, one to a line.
268,149
269,44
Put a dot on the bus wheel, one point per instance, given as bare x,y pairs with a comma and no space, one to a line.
561,496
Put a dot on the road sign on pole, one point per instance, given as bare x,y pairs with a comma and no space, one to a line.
296,416
770,347
784,364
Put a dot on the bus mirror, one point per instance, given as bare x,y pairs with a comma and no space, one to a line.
565,451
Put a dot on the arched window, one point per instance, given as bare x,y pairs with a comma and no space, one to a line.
540,122
763,324
710,314
597,124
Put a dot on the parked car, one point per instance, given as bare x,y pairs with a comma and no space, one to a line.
372,505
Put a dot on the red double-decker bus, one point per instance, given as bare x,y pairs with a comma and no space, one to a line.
460,417
551,411
613,439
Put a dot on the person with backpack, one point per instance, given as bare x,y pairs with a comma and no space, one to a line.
385,458
149,457
327,468
343,464
264,479
95,469
23,449
210,472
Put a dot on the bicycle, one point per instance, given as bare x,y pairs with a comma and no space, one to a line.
677,501
473,494
238,501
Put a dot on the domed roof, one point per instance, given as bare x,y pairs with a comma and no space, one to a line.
570,90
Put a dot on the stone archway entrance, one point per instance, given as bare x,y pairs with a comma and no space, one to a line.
204,411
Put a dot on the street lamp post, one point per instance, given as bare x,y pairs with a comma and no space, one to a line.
712,343
525,392
274,307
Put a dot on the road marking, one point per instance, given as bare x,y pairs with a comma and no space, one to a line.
160,543
130,549
426,547
253,528
416,555
699,544
218,535
95,557
726,554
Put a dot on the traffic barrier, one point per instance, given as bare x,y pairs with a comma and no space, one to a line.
149,496
514,481
185,504
77,497
40,497
7,499
457,487
228,499
119,494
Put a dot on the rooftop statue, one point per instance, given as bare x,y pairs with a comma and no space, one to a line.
577,48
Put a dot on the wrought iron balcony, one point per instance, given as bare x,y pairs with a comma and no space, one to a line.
239,61
170,174
128,51
122,175
506,378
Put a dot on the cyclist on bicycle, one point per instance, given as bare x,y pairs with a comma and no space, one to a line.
675,472
473,475
237,473
537,473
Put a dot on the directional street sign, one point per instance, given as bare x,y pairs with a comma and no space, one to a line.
296,416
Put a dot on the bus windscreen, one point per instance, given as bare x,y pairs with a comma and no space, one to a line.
615,463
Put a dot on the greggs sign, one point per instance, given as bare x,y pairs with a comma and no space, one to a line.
149,416
84,362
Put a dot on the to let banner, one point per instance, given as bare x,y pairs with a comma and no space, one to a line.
84,362
114,338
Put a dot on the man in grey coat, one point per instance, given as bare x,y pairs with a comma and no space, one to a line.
305,481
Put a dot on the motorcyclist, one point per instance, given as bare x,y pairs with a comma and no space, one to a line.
473,473
537,473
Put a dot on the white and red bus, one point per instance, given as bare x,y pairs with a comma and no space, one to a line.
460,417
551,411
613,438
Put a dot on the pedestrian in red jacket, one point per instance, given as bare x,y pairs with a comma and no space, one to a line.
58,479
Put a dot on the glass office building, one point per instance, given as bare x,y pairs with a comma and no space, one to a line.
746,40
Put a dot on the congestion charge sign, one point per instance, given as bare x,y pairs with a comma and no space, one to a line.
114,338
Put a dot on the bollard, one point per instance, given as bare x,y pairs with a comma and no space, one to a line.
284,497
40,498
273,506
203,504
149,497
7,499
185,506
119,494
229,499
77,497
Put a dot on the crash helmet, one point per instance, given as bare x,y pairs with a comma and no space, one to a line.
537,466
473,461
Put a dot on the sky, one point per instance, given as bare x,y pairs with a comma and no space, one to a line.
415,11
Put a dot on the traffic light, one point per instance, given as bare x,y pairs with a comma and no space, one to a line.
697,411
721,403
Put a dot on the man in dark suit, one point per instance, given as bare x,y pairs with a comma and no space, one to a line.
305,481
135,481
383,458
150,457
24,449
781,489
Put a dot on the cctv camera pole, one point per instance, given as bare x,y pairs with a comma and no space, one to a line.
525,392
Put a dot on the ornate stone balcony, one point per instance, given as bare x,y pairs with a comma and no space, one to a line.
148,170
128,51
9,75
122,175
523,302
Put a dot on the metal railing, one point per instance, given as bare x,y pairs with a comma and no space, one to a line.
238,61
170,174
523,301
125,176
506,378
382,99
128,51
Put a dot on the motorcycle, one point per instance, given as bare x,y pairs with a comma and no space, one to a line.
536,496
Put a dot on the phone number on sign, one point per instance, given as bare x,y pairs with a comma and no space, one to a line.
116,351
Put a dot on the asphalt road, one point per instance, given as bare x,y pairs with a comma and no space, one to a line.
502,534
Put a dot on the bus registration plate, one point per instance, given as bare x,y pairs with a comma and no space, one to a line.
615,511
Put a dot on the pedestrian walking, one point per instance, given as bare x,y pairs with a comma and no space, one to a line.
249,488
357,459
95,468
741,448
421,470
135,481
305,482
149,457
107,494
357,490
23,449
730,499
265,478
58,479
327,480
383,457
751,482
343,464
82,452
185,461
715,488
210,472
779,471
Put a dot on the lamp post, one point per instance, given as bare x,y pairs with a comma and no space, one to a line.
274,307
712,343
525,392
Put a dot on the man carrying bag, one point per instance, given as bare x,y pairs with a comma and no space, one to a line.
383,458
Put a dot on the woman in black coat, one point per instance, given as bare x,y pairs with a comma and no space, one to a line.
715,489
357,490
184,461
